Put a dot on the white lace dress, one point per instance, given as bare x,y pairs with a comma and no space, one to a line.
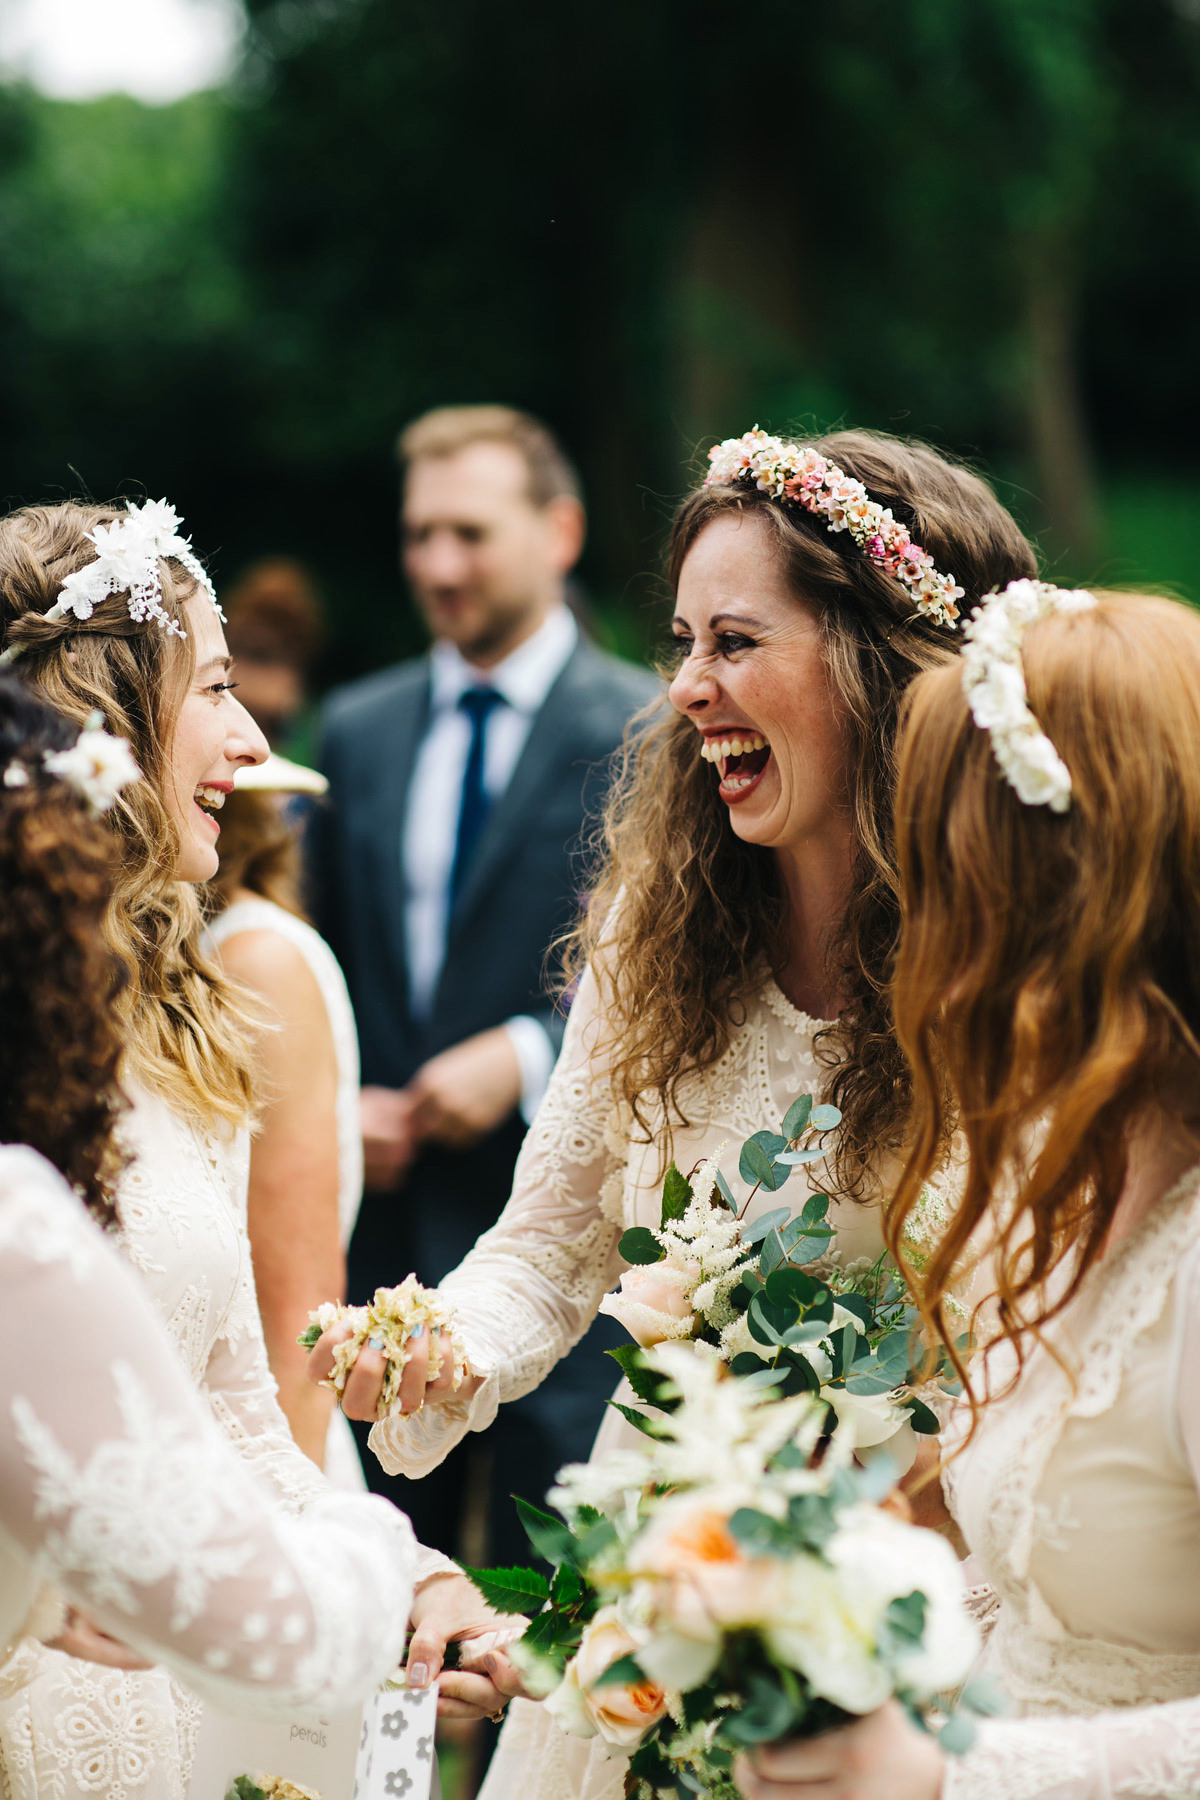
532,1285
183,1211
1078,1497
342,1466
119,1489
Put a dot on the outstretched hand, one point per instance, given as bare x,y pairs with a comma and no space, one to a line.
880,1757
364,1385
448,1608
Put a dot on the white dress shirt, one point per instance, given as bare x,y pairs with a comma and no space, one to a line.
523,681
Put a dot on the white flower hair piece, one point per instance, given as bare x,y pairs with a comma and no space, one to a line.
127,556
994,683
799,473
97,765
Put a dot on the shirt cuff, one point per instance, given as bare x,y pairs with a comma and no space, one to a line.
535,1058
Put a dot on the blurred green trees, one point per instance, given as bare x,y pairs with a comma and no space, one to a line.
651,224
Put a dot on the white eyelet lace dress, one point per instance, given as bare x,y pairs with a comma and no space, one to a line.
1079,1501
532,1284
118,1488
342,1466
68,1728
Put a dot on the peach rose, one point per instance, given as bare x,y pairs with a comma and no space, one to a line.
652,1304
621,1715
706,1580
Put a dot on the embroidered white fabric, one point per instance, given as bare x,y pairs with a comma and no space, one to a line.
183,1210
531,1286
118,1487
1079,1500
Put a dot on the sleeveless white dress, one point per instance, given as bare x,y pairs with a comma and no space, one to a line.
1078,1497
532,1285
117,1487
183,1210
342,1466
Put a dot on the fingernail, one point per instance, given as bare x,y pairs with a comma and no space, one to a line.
375,1341
418,1675
417,1331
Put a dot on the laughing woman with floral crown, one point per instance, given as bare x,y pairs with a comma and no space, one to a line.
108,610
737,946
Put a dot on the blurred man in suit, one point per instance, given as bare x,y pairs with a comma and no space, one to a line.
444,867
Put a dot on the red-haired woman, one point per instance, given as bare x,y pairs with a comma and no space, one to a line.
1048,996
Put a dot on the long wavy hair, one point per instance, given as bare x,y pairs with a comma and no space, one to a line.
186,1034
1047,986
683,912
60,1040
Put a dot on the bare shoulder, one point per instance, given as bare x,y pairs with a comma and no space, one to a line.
277,970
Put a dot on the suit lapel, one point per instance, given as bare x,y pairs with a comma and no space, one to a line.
396,756
537,768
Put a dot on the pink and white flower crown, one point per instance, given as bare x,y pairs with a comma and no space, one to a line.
801,474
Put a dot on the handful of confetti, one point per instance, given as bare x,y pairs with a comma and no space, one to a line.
396,1319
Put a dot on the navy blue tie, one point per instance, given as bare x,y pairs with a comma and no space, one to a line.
478,704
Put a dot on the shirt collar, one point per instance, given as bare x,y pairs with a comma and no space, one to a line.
525,676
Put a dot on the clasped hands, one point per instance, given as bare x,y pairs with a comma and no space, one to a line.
455,1098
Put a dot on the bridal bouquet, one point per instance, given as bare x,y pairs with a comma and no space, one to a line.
768,1298
731,1581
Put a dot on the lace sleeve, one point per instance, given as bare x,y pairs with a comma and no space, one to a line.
530,1288
1146,1753
116,1487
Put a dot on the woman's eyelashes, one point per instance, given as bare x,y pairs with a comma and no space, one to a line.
725,643
217,688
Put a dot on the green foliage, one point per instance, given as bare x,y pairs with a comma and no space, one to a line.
309,1336
677,1193
512,1590
549,1536
639,1245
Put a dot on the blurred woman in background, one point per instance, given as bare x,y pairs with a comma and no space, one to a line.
306,1157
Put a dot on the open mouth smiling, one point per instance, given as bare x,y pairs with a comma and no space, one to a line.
740,760
210,800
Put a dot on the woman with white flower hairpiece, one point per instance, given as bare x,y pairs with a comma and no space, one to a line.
1048,992
100,1425
108,610
737,946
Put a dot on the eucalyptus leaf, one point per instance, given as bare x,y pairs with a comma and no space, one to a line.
764,1378
922,1418
767,1714
676,1195
796,1117
757,1532
758,1161
726,1192
758,1228
824,1118
639,1245
746,1363
771,1255
957,1734
797,1159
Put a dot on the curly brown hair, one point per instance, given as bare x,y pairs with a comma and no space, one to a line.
187,1033
684,912
60,1033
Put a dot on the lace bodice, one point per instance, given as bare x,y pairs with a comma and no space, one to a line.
532,1285
1078,1497
263,915
116,1485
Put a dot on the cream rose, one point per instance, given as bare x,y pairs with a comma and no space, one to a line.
621,1715
652,1303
